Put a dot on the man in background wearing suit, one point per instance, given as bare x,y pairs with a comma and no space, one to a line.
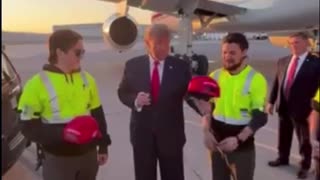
153,87
295,84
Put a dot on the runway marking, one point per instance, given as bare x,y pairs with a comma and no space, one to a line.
258,144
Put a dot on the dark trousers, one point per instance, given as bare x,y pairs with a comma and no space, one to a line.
301,126
150,151
83,167
317,164
244,161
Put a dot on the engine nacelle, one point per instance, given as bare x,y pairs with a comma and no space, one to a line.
120,32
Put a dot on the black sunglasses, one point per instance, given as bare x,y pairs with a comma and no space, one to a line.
79,52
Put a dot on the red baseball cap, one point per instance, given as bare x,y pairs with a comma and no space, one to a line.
203,87
81,130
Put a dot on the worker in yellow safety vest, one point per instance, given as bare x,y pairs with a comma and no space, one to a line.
237,114
51,101
315,131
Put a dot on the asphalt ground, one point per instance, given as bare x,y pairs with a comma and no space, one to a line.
106,65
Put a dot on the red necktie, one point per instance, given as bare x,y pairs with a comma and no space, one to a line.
290,76
155,82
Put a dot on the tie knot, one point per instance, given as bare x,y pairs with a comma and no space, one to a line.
296,58
156,63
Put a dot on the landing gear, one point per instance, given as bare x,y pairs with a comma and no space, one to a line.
201,64
198,63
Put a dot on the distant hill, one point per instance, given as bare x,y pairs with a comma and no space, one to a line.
23,38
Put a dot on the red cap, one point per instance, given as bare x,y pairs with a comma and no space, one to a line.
81,130
203,87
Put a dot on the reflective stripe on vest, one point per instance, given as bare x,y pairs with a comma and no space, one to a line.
249,78
217,75
56,116
243,121
245,90
248,82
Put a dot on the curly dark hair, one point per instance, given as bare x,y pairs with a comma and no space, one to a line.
237,38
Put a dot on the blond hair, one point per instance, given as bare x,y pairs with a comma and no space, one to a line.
157,30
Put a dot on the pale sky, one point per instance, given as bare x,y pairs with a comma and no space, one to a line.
40,15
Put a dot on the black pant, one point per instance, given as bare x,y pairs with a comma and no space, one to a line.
317,168
82,167
150,151
301,126
244,161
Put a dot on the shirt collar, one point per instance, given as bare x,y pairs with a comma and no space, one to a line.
303,56
161,62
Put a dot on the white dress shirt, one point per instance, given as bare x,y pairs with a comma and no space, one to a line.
160,71
160,68
301,60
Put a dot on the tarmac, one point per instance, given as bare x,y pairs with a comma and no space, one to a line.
106,65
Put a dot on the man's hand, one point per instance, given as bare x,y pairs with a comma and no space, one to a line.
143,99
209,140
229,144
269,109
204,106
245,134
102,159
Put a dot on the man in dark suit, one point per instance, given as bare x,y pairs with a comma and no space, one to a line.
153,87
295,84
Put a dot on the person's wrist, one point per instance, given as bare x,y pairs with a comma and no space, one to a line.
136,102
205,122
239,140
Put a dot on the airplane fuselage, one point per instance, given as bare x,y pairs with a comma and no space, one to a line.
280,15
260,16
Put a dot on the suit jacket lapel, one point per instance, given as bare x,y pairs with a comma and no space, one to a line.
303,68
165,77
284,71
146,74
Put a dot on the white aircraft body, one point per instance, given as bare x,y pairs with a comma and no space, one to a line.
251,15
189,16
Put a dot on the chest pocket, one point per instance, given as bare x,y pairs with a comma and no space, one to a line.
73,100
242,97
241,100
83,94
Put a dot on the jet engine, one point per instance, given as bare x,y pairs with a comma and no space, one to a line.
120,32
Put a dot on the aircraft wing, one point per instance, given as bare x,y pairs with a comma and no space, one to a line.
171,7
219,8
